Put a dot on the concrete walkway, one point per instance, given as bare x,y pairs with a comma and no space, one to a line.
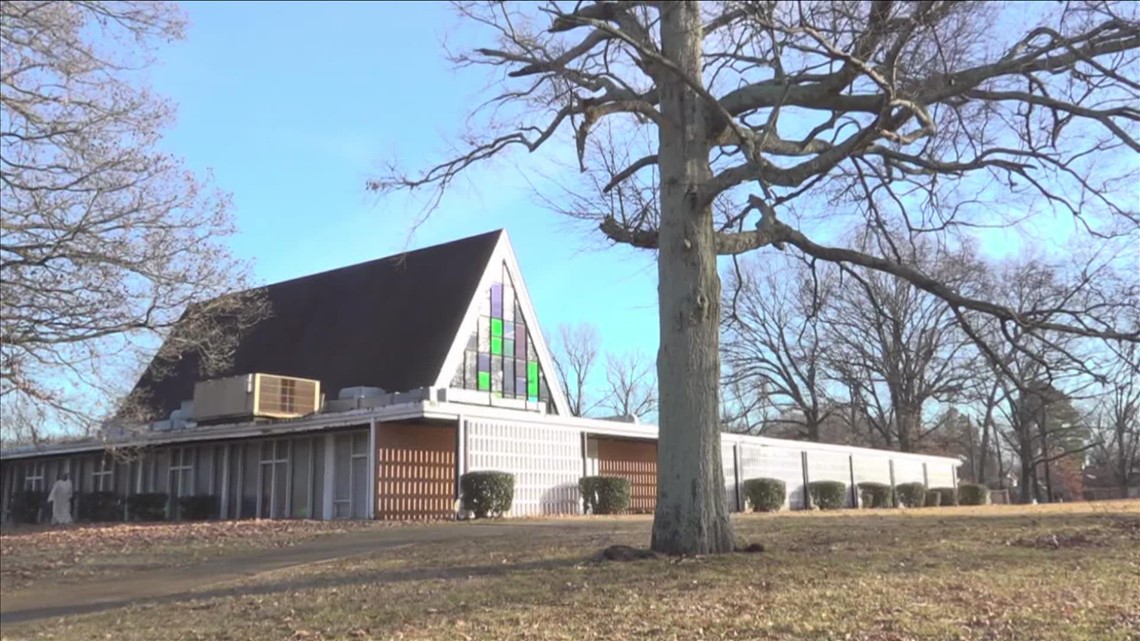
172,584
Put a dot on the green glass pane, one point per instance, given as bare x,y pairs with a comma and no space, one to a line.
496,345
484,380
496,327
532,379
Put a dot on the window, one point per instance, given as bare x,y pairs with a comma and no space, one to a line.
501,357
181,472
102,475
34,481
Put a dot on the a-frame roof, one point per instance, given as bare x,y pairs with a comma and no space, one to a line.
387,323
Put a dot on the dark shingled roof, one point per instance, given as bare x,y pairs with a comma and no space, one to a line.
384,323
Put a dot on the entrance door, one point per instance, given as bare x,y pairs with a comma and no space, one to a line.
350,476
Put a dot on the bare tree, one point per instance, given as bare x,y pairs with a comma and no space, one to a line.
774,339
755,124
632,389
1117,421
903,344
106,241
575,355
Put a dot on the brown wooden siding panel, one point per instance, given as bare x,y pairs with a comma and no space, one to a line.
636,461
415,472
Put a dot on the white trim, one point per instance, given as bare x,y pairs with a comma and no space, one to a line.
503,254
459,341
233,431
372,471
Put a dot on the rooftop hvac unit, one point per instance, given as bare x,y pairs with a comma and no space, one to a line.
255,396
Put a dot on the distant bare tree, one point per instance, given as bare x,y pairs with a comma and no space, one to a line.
902,345
1117,420
575,356
774,339
631,384
718,128
107,242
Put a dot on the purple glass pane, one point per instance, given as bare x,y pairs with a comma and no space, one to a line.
497,300
484,362
520,342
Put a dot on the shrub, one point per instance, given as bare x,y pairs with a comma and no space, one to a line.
604,494
27,506
198,507
487,493
949,495
100,506
828,495
973,494
933,498
148,506
911,494
765,495
875,495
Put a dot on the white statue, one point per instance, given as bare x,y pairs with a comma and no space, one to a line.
60,499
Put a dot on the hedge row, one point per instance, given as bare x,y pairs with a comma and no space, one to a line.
768,495
604,494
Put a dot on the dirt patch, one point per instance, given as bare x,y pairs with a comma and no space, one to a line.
625,553
1059,540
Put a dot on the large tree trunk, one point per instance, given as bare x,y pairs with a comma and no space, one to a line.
691,514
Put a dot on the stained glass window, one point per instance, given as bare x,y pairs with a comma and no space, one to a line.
500,356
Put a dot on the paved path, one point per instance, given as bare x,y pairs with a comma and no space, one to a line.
172,584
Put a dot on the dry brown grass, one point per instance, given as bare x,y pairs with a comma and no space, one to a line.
42,554
1042,573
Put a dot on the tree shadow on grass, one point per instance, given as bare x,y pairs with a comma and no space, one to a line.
276,587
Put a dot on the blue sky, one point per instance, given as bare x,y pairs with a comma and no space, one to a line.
293,106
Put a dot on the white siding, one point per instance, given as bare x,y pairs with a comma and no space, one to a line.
870,468
940,474
908,471
825,465
783,463
729,464
546,462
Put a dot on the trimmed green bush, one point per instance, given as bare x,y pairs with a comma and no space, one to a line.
911,494
949,495
604,494
765,495
198,507
973,494
487,493
828,495
100,507
27,506
877,495
150,506
933,498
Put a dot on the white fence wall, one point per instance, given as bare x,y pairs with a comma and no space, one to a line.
774,462
546,461
828,465
908,471
727,457
940,475
872,469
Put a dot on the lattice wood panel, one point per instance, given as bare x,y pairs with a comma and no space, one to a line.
636,461
415,484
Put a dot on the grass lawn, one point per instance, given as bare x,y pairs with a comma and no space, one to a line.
999,572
